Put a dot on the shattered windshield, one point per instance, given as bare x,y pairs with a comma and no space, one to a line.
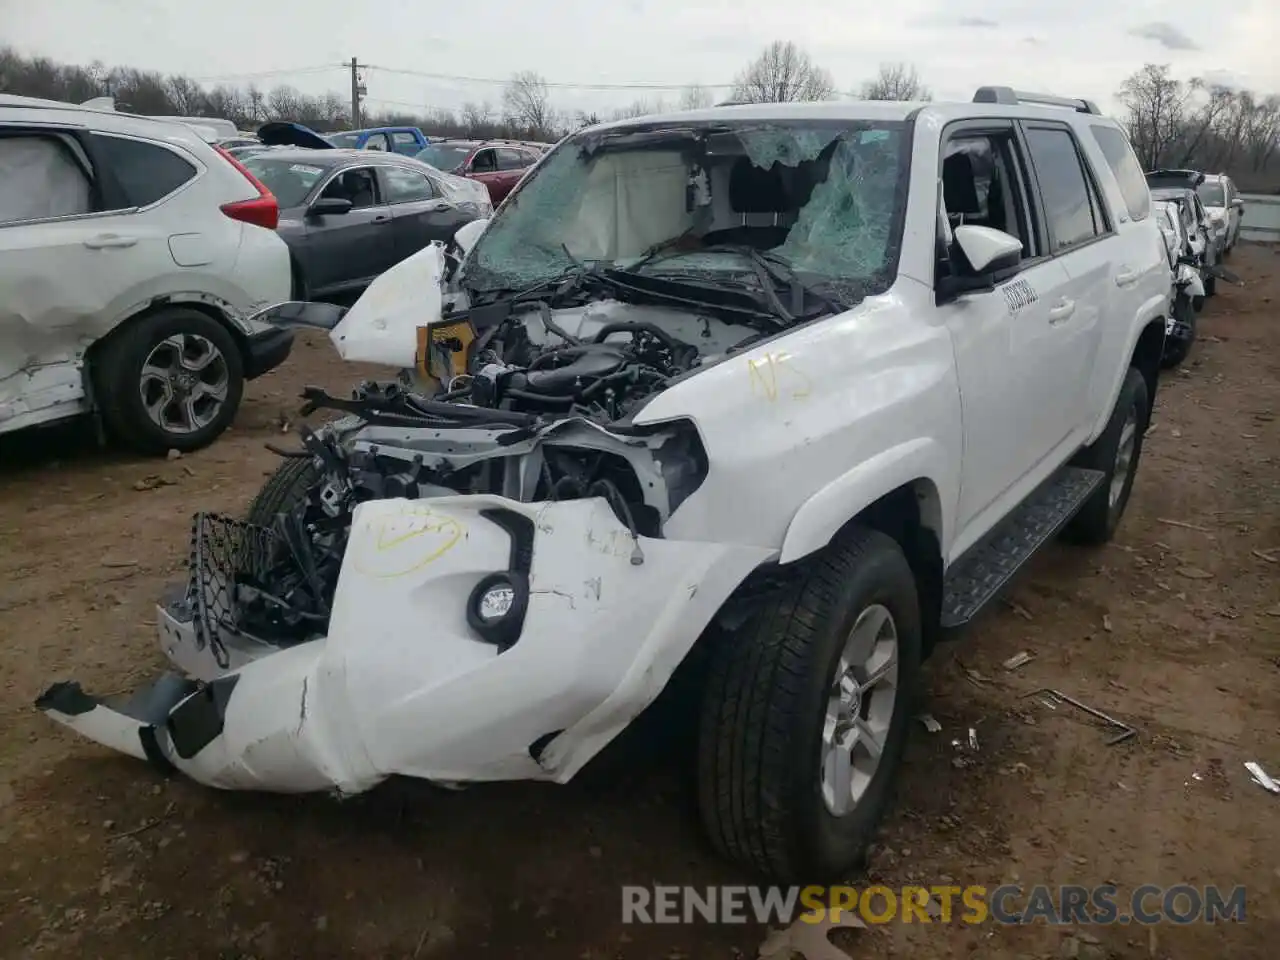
1212,194
823,200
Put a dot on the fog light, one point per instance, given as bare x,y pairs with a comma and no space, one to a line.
496,607
496,602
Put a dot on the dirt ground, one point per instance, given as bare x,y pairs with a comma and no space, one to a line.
1174,627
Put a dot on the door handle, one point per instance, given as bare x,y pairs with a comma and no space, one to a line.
382,218
109,240
1126,277
1063,310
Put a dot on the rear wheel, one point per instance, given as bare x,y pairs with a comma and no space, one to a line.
171,380
804,717
1116,453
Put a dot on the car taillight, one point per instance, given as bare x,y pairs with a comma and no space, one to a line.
262,210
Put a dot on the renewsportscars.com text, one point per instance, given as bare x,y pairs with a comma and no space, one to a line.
1008,904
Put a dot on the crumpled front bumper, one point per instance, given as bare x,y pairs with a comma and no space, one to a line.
404,684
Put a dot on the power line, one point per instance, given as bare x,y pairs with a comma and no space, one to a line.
561,84
292,71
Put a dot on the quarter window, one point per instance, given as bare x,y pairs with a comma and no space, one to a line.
1069,204
146,172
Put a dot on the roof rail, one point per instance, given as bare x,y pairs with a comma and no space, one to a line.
1011,96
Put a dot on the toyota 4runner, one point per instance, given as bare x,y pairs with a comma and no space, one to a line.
791,390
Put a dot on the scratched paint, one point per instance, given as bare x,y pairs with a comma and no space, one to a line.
405,542
775,375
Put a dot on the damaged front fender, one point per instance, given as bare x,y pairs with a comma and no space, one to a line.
406,682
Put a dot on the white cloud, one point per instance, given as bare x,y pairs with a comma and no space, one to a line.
1084,48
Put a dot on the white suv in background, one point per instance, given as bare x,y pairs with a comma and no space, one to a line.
131,254
1225,207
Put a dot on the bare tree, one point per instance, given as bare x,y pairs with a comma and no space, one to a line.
640,108
476,117
695,97
781,74
186,96
896,81
526,102
1156,105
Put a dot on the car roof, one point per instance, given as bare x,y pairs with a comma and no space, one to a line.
873,110
329,158
108,121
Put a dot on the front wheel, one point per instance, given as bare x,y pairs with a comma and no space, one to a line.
171,380
1116,453
805,712
284,490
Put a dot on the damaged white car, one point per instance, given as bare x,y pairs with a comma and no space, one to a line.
798,387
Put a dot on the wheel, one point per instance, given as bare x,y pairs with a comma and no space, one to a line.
1116,453
171,380
283,490
1177,349
805,712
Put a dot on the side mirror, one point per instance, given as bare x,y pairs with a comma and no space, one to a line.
988,250
466,235
334,205
980,258
1238,203
300,313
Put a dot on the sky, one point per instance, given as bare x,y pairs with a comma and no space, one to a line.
1079,48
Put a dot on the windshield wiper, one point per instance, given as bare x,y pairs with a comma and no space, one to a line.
770,269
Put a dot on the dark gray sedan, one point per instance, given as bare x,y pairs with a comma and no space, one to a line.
348,215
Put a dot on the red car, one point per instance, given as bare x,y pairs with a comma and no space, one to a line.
498,164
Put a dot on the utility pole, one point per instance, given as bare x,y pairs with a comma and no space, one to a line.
358,90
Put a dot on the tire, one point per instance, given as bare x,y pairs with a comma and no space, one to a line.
157,340
283,490
1097,520
1175,351
766,703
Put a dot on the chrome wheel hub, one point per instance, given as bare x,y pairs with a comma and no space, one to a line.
1124,457
859,709
184,383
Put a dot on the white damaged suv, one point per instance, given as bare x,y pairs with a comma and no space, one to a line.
789,390
132,254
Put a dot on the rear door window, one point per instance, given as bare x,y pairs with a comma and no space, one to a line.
1069,202
510,159
147,172
41,178
1128,172
404,186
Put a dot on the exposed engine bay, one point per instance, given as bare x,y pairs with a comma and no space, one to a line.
539,415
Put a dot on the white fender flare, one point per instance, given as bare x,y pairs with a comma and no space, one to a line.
834,505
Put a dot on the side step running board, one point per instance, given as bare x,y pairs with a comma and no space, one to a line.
982,573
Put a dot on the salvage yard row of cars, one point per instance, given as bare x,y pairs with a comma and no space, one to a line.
940,324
